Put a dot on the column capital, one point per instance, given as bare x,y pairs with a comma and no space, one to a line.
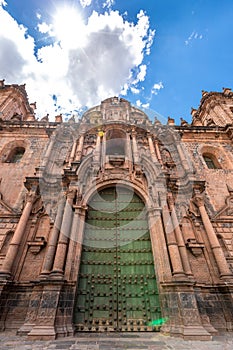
32,195
134,132
32,184
80,209
149,134
198,193
198,199
70,194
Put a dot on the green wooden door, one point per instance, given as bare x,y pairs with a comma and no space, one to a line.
117,289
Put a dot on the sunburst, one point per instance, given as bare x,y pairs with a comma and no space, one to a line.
69,28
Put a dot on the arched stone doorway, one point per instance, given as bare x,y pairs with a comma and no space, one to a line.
117,289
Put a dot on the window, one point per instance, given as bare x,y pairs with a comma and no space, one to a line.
115,144
211,162
15,155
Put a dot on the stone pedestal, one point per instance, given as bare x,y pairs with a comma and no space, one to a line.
50,311
44,326
180,309
32,312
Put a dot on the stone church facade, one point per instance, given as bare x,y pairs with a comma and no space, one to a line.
114,222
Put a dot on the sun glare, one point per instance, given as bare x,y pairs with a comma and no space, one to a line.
69,28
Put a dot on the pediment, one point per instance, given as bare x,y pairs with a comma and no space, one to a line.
226,213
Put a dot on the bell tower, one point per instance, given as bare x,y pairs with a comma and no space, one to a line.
14,105
216,108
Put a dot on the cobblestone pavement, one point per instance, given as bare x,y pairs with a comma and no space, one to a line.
136,341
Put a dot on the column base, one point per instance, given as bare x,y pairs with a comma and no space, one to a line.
187,332
25,329
42,333
44,275
195,333
228,276
180,276
57,274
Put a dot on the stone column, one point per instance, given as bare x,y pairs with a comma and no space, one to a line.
97,149
79,150
58,266
72,153
177,267
128,147
152,149
213,240
135,147
73,261
18,235
159,247
75,246
52,244
103,151
179,237
182,157
158,154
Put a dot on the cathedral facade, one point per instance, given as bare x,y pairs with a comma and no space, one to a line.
114,222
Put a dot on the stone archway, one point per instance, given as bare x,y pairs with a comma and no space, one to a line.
117,288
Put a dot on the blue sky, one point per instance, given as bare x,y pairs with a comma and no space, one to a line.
158,54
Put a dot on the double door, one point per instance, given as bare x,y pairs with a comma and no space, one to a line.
117,289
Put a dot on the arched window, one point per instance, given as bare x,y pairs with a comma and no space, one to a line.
115,144
16,155
211,161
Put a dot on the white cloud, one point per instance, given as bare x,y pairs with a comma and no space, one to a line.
156,87
62,78
16,49
142,105
142,73
134,90
44,28
85,3
193,36
108,3
146,105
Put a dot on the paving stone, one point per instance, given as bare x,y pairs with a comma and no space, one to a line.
140,342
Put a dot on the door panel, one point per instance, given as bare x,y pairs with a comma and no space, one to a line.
117,289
